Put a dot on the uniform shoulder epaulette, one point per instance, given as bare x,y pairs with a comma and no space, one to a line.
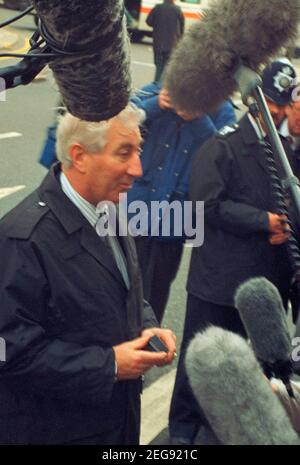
227,130
23,219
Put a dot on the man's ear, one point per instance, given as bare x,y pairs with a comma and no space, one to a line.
78,156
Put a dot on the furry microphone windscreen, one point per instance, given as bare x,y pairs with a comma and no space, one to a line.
261,310
200,73
94,86
235,397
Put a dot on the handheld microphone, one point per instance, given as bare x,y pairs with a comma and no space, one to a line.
229,385
201,71
261,310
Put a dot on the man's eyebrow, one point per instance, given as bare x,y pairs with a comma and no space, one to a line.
124,145
128,145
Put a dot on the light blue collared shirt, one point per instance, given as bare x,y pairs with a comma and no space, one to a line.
86,208
89,211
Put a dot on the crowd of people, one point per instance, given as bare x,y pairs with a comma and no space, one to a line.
81,301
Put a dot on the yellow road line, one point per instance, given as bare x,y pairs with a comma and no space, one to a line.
24,49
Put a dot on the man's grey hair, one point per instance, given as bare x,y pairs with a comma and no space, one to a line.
92,136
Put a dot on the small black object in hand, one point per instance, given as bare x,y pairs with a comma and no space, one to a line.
156,345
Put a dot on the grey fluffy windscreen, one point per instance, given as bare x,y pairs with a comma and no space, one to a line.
200,73
96,86
229,386
261,310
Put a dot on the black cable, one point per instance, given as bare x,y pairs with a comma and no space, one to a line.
80,50
279,193
26,55
279,196
48,38
17,17
43,48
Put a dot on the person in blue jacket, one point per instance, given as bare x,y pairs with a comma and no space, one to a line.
171,140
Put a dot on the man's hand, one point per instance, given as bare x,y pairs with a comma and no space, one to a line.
133,361
277,223
164,100
168,338
279,238
279,228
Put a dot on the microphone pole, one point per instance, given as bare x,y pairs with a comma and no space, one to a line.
291,182
250,85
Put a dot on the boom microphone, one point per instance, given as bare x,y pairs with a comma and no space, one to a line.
200,73
229,385
93,67
261,310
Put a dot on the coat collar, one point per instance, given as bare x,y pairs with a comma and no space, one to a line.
72,220
248,132
252,146
61,206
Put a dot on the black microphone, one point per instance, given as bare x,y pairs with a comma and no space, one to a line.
87,47
261,310
230,387
94,74
200,74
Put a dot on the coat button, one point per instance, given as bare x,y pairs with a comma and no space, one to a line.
42,204
167,146
153,190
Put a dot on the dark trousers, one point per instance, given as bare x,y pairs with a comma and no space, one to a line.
159,262
160,60
186,417
111,438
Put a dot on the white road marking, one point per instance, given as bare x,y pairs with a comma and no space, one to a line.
156,401
9,135
140,63
6,191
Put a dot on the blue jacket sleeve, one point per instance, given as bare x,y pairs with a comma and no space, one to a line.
147,99
225,116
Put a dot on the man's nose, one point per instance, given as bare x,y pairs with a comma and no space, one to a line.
135,167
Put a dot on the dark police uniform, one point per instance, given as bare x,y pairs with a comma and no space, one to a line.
231,176
64,304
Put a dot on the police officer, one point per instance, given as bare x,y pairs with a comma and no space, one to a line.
278,84
244,237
